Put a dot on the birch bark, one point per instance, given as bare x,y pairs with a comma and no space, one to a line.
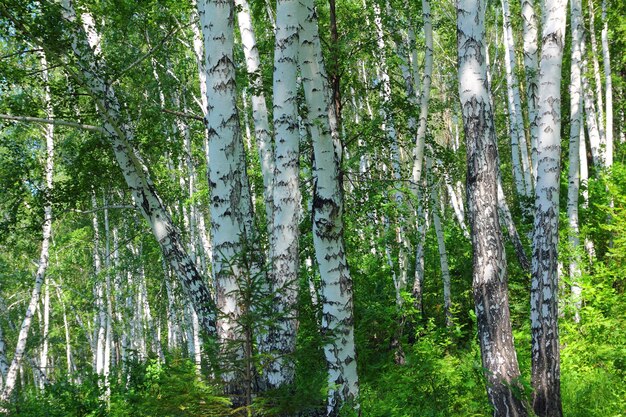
544,281
85,47
489,276
596,70
443,254
420,139
336,285
608,86
262,131
284,240
591,115
531,64
231,208
4,365
519,150
576,124
20,348
49,135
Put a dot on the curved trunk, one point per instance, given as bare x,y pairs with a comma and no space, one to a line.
20,349
85,46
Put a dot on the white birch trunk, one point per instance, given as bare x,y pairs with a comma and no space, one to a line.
608,85
420,139
576,125
231,211
68,345
284,239
443,256
457,206
336,283
422,228
596,71
591,115
20,348
85,46
489,272
43,357
4,365
544,281
519,150
49,134
531,64
99,317
262,132
173,328
506,221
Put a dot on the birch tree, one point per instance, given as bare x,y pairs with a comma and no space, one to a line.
86,49
544,283
336,285
284,252
10,375
576,127
262,131
231,209
531,66
519,149
608,86
597,77
489,275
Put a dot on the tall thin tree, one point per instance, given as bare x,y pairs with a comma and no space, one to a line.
546,371
489,272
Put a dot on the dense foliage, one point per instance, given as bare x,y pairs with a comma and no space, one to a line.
410,362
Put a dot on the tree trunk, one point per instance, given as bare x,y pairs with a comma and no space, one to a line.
20,348
4,366
544,283
145,196
608,85
489,276
443,254
262,131
519,150
284,252
420,248
68,345
231,208
531,64
596,71
576,124
336,282
420,139
591,115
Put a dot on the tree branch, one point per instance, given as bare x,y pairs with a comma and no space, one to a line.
58,122
185,115
118,206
